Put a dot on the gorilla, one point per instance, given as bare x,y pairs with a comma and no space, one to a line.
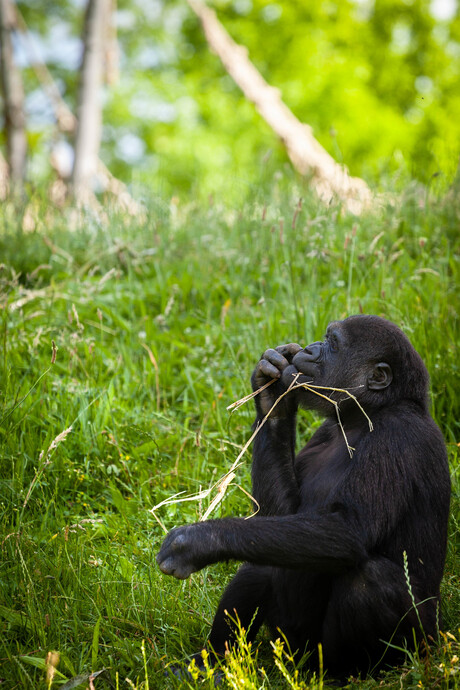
346,552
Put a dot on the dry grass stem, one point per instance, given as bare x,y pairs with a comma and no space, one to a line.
157,373
315,389
173,499
59,438
165,530
54,352
252,499
311,386
51,663
224,482
336,405
236,405
53,445
221,487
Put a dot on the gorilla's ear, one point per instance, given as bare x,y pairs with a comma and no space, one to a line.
381,377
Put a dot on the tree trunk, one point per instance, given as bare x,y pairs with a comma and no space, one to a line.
67,123
330,180
89,116
13,99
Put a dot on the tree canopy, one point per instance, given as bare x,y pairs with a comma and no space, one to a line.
377,81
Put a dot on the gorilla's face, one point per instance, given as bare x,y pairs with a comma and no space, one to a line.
345,359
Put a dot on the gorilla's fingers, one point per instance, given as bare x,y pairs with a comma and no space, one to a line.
275,358
268,369
289,350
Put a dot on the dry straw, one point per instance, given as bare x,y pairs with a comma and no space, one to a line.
221,486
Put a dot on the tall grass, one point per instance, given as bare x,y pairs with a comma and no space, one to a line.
158,326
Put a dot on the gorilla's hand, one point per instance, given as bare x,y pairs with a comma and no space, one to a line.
275,364
185,550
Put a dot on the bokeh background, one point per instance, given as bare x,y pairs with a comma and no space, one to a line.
378,80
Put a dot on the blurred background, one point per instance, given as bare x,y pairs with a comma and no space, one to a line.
377,80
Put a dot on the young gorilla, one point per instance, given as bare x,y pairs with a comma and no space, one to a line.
324,555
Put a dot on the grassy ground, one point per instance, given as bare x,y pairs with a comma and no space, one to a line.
158,327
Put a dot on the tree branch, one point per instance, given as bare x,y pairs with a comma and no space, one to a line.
308,157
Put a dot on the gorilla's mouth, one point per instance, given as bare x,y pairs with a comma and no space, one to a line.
291,372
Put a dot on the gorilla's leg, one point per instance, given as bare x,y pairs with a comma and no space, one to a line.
369,609
245,599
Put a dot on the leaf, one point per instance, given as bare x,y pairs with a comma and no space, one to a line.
38,662
95,644
82,678
16,618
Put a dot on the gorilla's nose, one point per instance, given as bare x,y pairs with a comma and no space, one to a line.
306,360
311,353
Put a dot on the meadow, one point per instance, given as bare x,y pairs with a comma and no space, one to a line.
157,325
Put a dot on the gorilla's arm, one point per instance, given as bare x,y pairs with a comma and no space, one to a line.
326,543
274,485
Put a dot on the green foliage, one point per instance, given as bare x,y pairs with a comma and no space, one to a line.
158,326
377,81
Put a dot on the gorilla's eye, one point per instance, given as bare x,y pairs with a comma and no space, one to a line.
333,342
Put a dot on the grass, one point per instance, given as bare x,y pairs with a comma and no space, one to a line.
158,327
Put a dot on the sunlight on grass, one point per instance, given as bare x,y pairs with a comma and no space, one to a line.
157,329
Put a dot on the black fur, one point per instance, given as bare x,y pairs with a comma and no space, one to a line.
324,555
